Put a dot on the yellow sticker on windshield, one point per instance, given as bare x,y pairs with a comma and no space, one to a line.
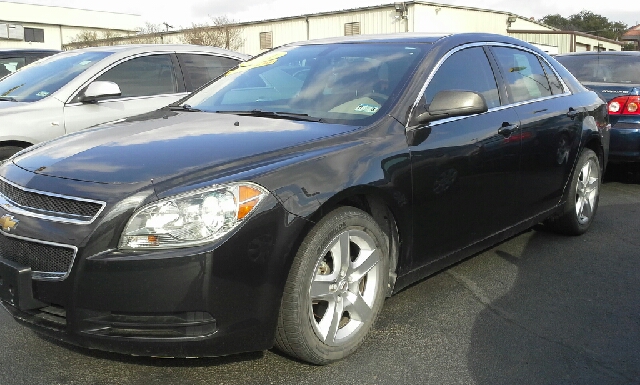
260,61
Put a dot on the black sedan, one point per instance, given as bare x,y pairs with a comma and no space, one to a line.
616,77
282,203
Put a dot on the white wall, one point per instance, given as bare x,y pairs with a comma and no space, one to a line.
62,24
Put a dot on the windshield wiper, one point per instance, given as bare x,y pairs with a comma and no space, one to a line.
274,114
7,99
184,107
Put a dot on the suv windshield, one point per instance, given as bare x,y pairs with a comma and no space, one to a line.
334,83
46,76
603,68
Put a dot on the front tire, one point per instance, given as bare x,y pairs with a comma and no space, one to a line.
336,288
584,195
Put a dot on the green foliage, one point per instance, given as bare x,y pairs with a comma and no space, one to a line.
589,22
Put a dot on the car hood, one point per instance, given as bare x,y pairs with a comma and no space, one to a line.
177,143
5,105
608,91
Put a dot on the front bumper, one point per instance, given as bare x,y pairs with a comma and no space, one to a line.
209,300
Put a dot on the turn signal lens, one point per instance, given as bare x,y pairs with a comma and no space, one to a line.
625,105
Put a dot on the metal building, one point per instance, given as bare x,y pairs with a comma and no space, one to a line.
414,16
39,26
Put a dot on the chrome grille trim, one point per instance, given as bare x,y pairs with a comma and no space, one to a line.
44,275
10,204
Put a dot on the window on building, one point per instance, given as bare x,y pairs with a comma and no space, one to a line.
11,31
352,28
34,34
266,40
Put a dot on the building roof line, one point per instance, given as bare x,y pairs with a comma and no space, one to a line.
387,5
561,32
73,8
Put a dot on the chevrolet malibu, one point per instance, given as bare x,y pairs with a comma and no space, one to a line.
281,204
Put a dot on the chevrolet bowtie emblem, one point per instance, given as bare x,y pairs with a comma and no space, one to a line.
8,223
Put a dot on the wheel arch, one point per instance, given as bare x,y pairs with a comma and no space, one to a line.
595,144
383,209
17,143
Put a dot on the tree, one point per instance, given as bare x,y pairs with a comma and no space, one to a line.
221,32
589,22
89,38
149,34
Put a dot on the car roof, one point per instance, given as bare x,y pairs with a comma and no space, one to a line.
380,38
180,48
27,50
604,53
417,38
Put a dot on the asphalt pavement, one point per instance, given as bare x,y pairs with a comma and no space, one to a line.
537,309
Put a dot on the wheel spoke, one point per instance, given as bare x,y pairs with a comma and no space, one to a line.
358,309
586,209
341,262
328,326
368,260
579,205
320,290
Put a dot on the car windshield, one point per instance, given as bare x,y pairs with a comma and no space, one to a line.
333,83
603,68
44,77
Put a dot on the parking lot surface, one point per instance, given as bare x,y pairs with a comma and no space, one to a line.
537,309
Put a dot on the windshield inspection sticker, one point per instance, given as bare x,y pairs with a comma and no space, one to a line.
42,94
84,62
260,61
367,108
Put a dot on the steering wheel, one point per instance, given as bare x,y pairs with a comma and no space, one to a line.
301,74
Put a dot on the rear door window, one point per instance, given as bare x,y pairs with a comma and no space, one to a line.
200,69
523,74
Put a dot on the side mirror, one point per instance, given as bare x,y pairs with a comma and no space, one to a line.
100,90
450,103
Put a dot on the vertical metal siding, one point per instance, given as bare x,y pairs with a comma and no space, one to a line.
432,18
377,21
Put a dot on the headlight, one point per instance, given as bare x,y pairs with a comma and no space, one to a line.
191,219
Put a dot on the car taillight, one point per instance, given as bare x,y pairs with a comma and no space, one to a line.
625,105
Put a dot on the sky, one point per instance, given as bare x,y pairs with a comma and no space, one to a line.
183,13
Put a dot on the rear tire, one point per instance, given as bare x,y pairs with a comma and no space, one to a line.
335,289
584,194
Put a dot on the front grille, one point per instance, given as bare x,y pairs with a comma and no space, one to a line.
45,260
42,202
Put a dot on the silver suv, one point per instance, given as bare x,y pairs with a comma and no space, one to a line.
77,89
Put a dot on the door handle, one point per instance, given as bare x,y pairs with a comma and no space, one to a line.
507,128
